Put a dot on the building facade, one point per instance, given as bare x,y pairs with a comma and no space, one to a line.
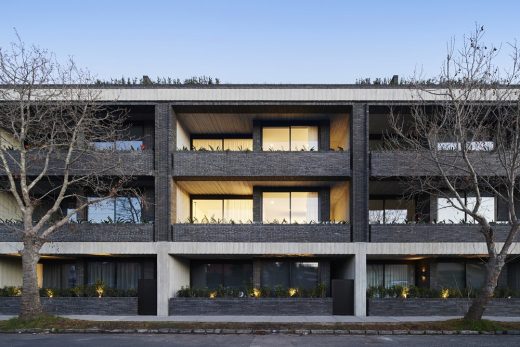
262,187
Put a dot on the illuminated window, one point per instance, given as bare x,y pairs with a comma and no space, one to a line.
290,207
222,210
293,138
223,144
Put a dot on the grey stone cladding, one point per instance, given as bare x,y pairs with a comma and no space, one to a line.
87,232
250,306
433,233
328,164
261,232
439,307
92,306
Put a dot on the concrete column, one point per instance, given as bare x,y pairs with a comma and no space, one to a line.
360,173
172,274
356,269
164,136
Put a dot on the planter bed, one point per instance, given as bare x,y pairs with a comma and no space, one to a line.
73,305
439,307
250,306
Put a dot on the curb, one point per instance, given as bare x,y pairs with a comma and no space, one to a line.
259,331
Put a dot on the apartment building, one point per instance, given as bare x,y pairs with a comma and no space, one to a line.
251,190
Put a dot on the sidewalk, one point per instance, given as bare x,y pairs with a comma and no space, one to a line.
273,319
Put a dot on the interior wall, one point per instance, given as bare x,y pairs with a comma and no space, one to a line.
10,272
9,208
181,211
183,138
340,202
340,131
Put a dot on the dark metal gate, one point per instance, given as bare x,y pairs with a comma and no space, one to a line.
147,297
343,297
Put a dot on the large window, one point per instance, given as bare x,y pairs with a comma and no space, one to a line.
133,143
390,211
461,275
448,213
124,209
283,274
215,275
60,275
223,144
389,275
290,138
222,210
290,207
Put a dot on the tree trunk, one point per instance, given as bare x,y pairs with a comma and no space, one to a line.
30,306
478,305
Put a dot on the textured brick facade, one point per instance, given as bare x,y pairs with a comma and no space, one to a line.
280,165
402,163
126,306
433,233
360,172
439,307
261,233
250,306
86,232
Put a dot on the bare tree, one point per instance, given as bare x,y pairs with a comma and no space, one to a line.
467,142
49,118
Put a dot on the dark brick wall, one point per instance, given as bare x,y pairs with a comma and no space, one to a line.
250,306
330,164
260,233
360,172
86,232
402,163
138,163
432,233
164,143
91,306
439,307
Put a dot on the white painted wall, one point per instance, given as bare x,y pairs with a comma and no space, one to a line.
10,272
182,205
9,209
183,138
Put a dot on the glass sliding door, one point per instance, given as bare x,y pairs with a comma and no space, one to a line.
222,210
290,207
304,138
290,138
275,139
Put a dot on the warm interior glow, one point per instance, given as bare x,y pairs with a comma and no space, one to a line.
290,207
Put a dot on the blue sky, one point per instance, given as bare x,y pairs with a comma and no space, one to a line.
284,41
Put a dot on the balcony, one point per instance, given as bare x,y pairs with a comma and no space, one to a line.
260,232
87,232
138,163
398,233
261,165
404,163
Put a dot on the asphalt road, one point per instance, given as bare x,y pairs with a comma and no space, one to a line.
127,340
